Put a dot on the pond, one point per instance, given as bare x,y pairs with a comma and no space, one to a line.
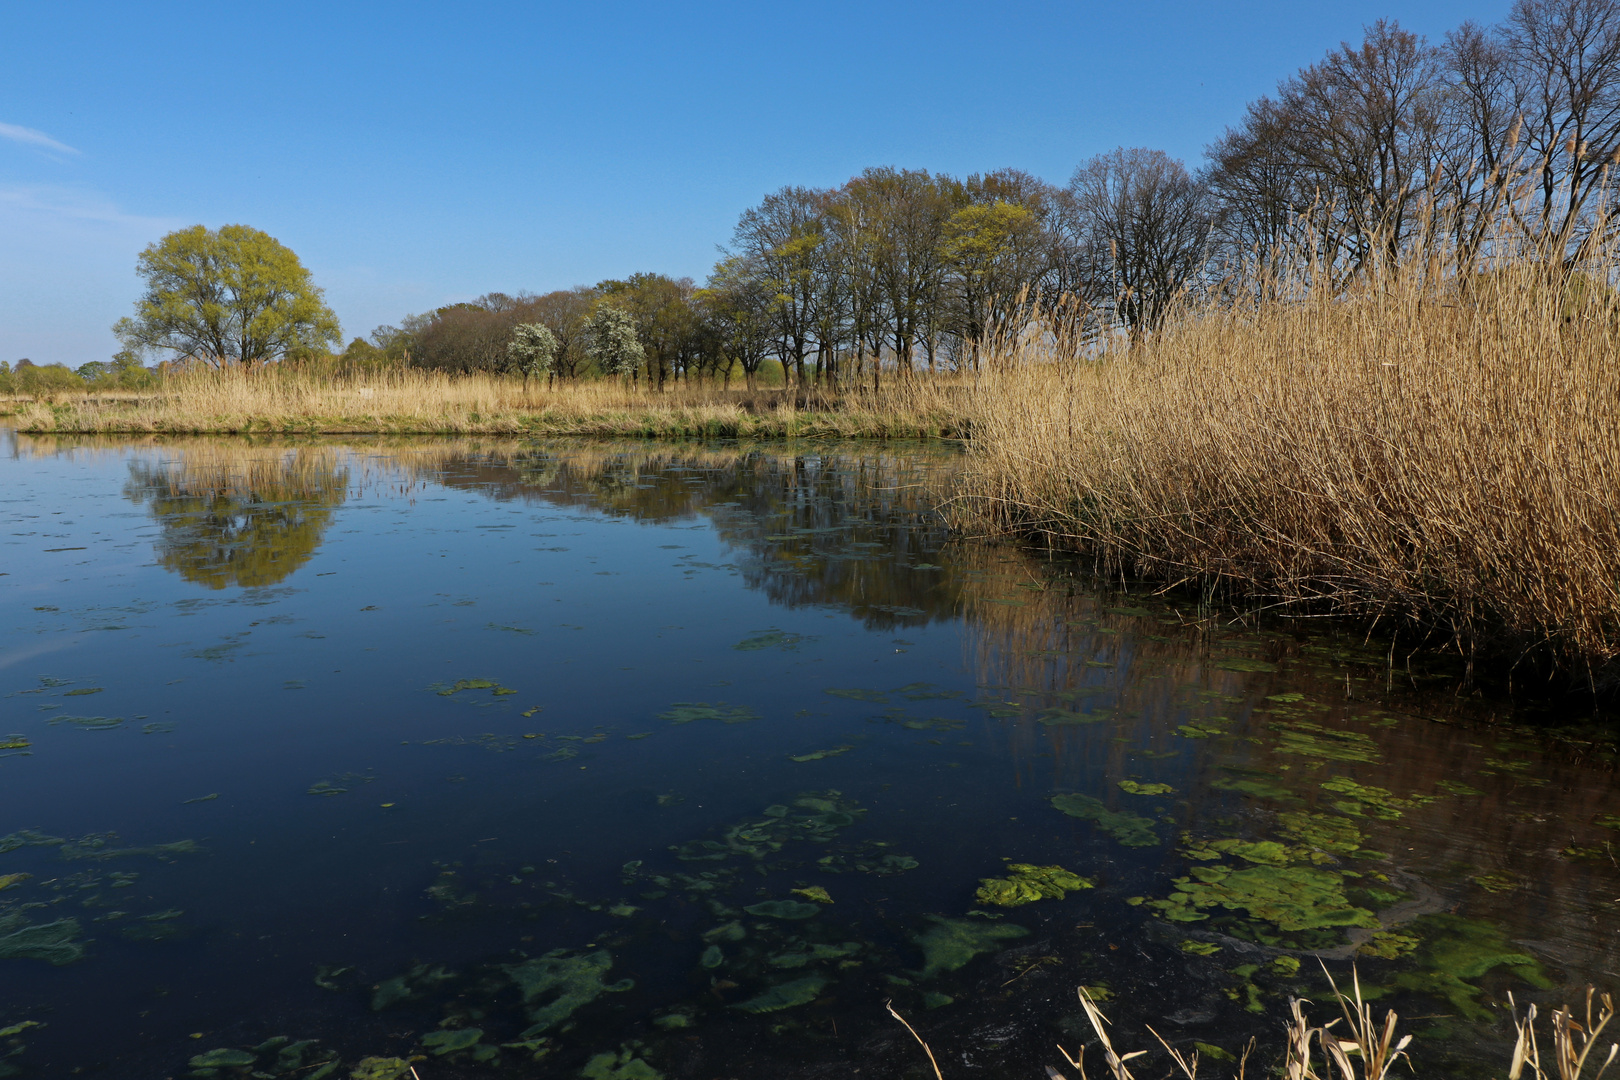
624,760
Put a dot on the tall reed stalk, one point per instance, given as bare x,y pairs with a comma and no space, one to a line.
1438,448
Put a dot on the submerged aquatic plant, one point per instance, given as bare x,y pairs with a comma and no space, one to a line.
557,985
53,942
1129,829
949,944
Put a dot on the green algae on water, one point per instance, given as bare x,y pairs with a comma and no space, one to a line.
89,723
1244,663
1136,788
56,943
685,712
770,639
950,944
820,754
1292,898
1313,740
380,1068
453,1041
495,688
1457,949
1025,883
1259,789
624,1065
786,995
1129,829
1056,717
813,892
556,985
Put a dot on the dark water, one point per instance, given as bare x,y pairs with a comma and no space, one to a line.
251,793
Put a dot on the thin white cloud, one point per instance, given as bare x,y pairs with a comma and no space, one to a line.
30,137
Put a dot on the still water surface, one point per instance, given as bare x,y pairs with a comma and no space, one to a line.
637,760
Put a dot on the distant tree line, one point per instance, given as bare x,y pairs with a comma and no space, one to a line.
1501,133
1497,139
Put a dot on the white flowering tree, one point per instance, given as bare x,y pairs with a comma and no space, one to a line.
611,342
532,350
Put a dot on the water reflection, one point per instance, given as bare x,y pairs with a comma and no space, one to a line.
236,515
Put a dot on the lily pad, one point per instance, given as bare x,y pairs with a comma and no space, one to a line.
1132,830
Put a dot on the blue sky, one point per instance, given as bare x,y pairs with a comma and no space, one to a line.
414,155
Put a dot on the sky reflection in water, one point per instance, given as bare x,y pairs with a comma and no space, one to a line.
428,711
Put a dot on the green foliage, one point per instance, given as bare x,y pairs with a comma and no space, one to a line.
227,295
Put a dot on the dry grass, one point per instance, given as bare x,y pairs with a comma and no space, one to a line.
1413,449
418,402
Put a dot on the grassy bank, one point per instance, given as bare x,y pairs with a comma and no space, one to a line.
416,402
1412,450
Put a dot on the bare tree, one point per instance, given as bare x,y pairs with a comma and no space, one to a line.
1154,219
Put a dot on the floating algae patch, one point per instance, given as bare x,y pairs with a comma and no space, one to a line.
27,838
14,742
1292,898
1129,829
624,1065
1025,883
1136,788
685,712
1366,799
556,985
1259,789
53,942
878,697
1262,852
813,892
770,639
453,1041
786,995
380,1068
950,944
783,909
1056,717
224,1058
1313,740
1202,729
820,754
814,817
89,723
495,688
404,987
11,881
96,846
1456,949
1324,832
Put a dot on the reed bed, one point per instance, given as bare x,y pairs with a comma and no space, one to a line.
1419,447
272,400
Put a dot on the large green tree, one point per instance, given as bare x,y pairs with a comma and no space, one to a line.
226,296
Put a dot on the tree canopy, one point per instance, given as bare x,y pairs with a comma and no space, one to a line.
232,295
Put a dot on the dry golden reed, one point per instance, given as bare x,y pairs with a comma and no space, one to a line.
1441,450
273,400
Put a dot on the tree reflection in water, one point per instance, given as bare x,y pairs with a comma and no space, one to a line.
239,516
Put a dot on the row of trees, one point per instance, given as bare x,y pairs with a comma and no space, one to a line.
1496,136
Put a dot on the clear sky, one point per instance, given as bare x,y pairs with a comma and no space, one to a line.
418,154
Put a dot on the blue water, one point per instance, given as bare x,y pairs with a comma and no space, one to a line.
256,647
